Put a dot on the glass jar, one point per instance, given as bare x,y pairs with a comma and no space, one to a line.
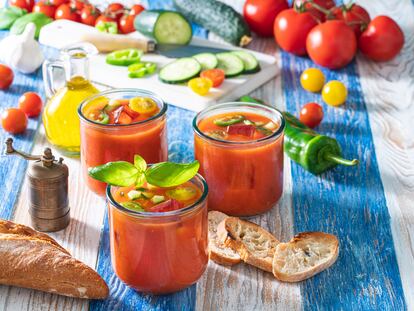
102,143
245,177
159,253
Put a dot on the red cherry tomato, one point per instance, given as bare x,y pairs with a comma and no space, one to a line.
126,23
104,19
215,75
260,15
45,7
382,40
311,114
89,15
115,10
23,4
78,5
13,120
332,44
136,9
31,104
67,11
291,29
6,77
58,2
354,15
311,7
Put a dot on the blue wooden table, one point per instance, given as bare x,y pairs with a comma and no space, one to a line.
368,207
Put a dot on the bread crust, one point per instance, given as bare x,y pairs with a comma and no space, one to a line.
34,260
255,245
310,243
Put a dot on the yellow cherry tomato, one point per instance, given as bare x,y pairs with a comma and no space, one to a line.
201,86
143,105
312,79
334,93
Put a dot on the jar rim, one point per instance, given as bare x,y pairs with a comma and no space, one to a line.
157,215
276,134
149,94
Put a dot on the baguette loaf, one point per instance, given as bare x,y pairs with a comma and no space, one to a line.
255,245
34,260
307,254
218,252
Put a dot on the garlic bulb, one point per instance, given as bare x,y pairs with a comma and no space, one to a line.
22,52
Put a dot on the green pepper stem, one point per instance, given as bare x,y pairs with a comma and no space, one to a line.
340,160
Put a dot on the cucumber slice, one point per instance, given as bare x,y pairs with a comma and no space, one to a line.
251,64
230,63
206,60
180,71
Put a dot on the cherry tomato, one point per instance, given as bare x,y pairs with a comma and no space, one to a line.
126,23
312,79
291,29
354,15
6,77
78,5
332,44
67,11
136,9
58,2
201,86
310,6
23,4
334,93
382,40
45,7
215,75
31,104
260,15
89,15
115,10
311,115
13,120
104,19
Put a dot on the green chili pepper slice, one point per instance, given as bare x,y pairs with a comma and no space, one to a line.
124,57
103,118
138,73
229,120
141,69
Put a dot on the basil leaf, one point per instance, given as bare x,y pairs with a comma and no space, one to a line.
118,173
168,174
140,163
140,179
9,15
37,18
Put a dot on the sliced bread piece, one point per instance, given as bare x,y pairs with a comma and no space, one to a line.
307,254
218,252
255,245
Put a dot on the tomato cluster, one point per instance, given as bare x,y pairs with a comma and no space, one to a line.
330,35
82,11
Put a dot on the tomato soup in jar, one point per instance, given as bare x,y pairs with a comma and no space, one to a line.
240,150
158,236
117,124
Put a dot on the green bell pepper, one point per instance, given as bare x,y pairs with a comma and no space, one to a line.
124,57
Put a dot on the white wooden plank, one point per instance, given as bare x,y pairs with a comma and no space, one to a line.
389,93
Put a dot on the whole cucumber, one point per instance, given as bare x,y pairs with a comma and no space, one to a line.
217,17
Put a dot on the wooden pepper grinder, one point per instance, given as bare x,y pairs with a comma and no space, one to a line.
48,190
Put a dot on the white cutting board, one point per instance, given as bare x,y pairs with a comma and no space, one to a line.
62,32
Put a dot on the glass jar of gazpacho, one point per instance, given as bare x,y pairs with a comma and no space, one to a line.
240,150
158,236
116,125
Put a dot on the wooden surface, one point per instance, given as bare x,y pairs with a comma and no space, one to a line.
369,207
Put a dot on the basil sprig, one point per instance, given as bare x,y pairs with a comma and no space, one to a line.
164,174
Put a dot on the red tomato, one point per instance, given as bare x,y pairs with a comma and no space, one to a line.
215,75
78,5
136,9
291,29
58,2
310,6
126,23
31,104
115,10
260,15
311,114
382,40
89,15
67,11
354,15
6,77
104,19
45,7
13,120
332,44
24,4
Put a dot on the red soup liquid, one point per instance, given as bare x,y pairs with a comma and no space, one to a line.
241,157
